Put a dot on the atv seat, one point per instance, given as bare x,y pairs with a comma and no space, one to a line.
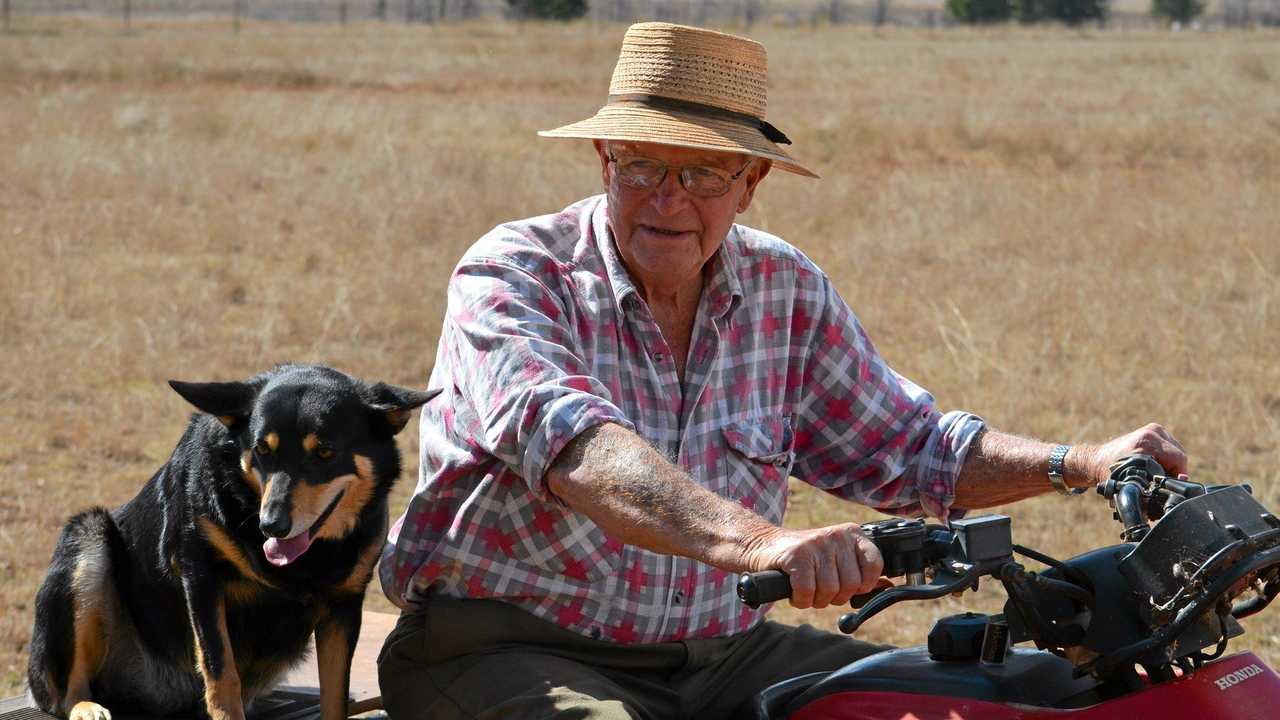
298,695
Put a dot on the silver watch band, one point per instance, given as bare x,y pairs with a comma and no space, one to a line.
1056,459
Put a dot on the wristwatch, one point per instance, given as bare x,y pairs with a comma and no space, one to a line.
1056,459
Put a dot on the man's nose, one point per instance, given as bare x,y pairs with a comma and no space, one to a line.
670,196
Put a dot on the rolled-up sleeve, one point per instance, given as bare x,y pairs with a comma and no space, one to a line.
867,434
518,365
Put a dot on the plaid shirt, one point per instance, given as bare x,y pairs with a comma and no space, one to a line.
546,335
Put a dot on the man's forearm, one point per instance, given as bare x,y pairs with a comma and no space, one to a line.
627,488
1002,468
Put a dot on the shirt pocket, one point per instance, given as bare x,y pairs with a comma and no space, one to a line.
759,460
557,541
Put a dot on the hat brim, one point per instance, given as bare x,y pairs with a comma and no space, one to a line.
666,127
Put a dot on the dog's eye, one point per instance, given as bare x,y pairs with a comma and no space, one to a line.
325,453
262,448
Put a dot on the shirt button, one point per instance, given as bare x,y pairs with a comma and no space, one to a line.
679,597
596,632
659,357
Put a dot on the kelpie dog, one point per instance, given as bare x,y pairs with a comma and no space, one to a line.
263,527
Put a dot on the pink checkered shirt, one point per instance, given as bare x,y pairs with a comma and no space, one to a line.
545,336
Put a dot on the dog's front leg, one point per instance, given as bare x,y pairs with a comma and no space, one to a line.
214,658
336,636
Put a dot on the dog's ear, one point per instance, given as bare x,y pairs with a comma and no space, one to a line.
393,404
230,402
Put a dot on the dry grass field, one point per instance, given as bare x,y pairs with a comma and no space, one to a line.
1069,233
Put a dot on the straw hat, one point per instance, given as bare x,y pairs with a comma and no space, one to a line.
686,86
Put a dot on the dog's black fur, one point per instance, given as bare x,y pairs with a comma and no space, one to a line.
180,601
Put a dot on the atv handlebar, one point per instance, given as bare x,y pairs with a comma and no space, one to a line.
956,558
907,546
1159,598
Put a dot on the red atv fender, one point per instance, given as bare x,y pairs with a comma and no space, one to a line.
1238,687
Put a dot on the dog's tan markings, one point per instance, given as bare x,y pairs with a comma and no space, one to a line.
310,442
91,604
266,493
273,441
227,420
360,489
243,592
221,694
228,550
250,473
310,500
358,580
333,654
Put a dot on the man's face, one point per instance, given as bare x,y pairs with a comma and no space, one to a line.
666,234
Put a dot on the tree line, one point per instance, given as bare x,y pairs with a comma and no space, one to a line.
733,13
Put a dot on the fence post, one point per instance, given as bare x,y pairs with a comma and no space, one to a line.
127,12
6,15
380,10
342,12
882,13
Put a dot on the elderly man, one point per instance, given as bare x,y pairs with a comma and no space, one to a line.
627,385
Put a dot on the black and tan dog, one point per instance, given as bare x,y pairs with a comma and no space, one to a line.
263,527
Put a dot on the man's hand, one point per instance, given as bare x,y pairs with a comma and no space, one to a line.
827,566
1095,462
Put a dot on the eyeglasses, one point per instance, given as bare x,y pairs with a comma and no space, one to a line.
700,180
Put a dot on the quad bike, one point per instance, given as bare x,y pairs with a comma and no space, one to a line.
1131,631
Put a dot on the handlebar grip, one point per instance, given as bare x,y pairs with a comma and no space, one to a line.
757,588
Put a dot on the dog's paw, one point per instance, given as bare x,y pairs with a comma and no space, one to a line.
88,710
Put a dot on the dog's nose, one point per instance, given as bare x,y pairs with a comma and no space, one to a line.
276,526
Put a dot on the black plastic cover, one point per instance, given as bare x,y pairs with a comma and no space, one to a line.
957,637
988,537
1190,534
1029,677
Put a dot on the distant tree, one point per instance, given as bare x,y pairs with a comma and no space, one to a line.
1181,11
980,11
1071,12
549,9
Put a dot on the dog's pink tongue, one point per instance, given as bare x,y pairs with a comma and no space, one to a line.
282,552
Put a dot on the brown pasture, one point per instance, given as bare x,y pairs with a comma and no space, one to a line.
1069,233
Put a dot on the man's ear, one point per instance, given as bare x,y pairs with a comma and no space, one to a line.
230,402
603,151
754,176
394,404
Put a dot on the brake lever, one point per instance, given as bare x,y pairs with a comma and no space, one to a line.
857,601
945,582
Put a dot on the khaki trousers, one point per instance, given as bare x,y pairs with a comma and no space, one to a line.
489,659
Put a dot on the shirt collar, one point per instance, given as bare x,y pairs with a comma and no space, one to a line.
722,290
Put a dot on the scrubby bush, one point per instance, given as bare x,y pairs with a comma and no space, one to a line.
548,9
1181,11
1071,12
980,11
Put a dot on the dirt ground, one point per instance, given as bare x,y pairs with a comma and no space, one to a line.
1068,233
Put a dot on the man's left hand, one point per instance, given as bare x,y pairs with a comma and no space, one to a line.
1094,461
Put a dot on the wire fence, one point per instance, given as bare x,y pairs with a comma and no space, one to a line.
919,13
